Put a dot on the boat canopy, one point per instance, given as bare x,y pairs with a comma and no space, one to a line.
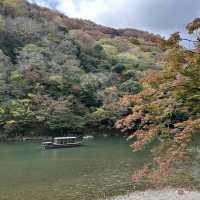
46,142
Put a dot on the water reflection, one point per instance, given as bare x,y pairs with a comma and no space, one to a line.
103,166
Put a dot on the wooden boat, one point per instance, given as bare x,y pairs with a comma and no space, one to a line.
63,142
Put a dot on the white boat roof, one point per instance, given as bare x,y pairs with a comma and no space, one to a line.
46,142
64,138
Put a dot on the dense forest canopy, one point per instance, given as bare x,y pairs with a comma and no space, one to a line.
60,75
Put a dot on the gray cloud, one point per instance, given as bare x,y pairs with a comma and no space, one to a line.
158,16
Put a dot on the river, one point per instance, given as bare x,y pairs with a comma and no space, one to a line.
102,167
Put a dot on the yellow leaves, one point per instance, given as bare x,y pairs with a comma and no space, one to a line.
30,95
33,49
99,111
127,57
99,115
2,111
151,108
2,23
16,114
53,38
12,2
110,50
18,6
56,78
16,76
11,122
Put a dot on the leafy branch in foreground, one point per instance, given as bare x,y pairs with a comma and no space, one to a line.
166,114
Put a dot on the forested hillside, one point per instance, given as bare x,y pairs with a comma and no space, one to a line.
60,75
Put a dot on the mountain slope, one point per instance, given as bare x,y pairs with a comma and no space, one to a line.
63,74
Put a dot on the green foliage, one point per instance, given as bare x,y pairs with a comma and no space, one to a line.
89,86
20,116
119,68
130,74
59,74
130,87
110,50
66,121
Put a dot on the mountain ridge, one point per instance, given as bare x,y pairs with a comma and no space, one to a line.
87,25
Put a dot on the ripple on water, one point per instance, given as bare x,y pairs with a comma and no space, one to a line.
102,167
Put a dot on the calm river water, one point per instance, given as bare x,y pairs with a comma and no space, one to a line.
101,167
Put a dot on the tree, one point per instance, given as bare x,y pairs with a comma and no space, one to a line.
166,112
19,117
89,86
85,40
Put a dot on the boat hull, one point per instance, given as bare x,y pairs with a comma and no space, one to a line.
56,146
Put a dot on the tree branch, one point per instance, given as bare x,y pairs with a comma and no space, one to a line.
194,41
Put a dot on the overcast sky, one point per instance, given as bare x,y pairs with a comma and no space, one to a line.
157,16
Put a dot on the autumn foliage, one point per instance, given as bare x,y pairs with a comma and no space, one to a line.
165,116
60,75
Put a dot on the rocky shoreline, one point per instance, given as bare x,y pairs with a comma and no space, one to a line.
166,194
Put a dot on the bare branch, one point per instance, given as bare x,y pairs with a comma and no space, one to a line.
194,41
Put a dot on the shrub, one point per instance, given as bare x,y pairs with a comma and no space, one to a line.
118,68
130,86
130,74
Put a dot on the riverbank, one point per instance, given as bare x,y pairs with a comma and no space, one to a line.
166,194
25,139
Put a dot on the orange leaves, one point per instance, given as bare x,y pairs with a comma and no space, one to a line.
128,121
167,109
143,138
138,98
188,129
185,136
172,42
140,174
